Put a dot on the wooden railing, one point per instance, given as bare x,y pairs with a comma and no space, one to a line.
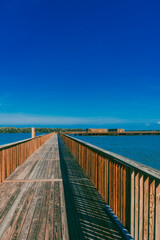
13,155
131,189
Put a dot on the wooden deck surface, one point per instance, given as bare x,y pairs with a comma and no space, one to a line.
32,202
33,206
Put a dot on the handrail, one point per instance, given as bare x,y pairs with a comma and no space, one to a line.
14,143
131,189
152,172
14,154
4,146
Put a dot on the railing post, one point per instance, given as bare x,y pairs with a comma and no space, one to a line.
33,132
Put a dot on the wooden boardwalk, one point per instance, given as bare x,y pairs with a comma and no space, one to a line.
32,203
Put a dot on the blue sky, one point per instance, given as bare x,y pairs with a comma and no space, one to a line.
80,63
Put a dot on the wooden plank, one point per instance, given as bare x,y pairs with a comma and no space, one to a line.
121,196
136,206
128,200
3,165
8,162
44,212
49,222
1,156
57,227
16,223
12,210
114,187
32,233
157,211
7,193
103,177
35,171
106,180
32,180
141,216
83,157
95,167
111,184
26,171
146,208
119,192
64,223
9,200
28,220
152,211
124,197
132,202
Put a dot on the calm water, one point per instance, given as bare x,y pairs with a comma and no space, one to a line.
6,138
144,149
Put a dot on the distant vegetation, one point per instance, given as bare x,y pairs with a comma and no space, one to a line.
14,130
38,130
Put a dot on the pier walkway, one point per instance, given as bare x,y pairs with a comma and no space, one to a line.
32,202
33,206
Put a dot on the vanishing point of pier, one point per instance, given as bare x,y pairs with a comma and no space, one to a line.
58,187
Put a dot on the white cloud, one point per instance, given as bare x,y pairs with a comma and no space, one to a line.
158,122
24,119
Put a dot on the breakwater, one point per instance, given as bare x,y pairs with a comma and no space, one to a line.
114,133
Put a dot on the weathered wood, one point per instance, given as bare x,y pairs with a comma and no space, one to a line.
157,235
32,180
124,197
106,180
146,208
123,160
141,203
129,187
152,211
122,193
32,198
87,218
13,155
119,191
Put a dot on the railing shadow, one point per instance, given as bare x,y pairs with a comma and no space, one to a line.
87,218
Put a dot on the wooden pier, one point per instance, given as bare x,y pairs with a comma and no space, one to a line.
60,190
33,205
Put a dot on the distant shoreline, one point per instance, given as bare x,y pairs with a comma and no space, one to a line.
79,131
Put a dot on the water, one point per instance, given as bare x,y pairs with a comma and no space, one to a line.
143,149
6,138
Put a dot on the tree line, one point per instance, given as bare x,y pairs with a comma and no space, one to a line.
38,130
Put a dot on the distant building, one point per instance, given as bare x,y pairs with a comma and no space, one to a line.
117,130
93,130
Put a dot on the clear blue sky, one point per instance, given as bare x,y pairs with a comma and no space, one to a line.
80,63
